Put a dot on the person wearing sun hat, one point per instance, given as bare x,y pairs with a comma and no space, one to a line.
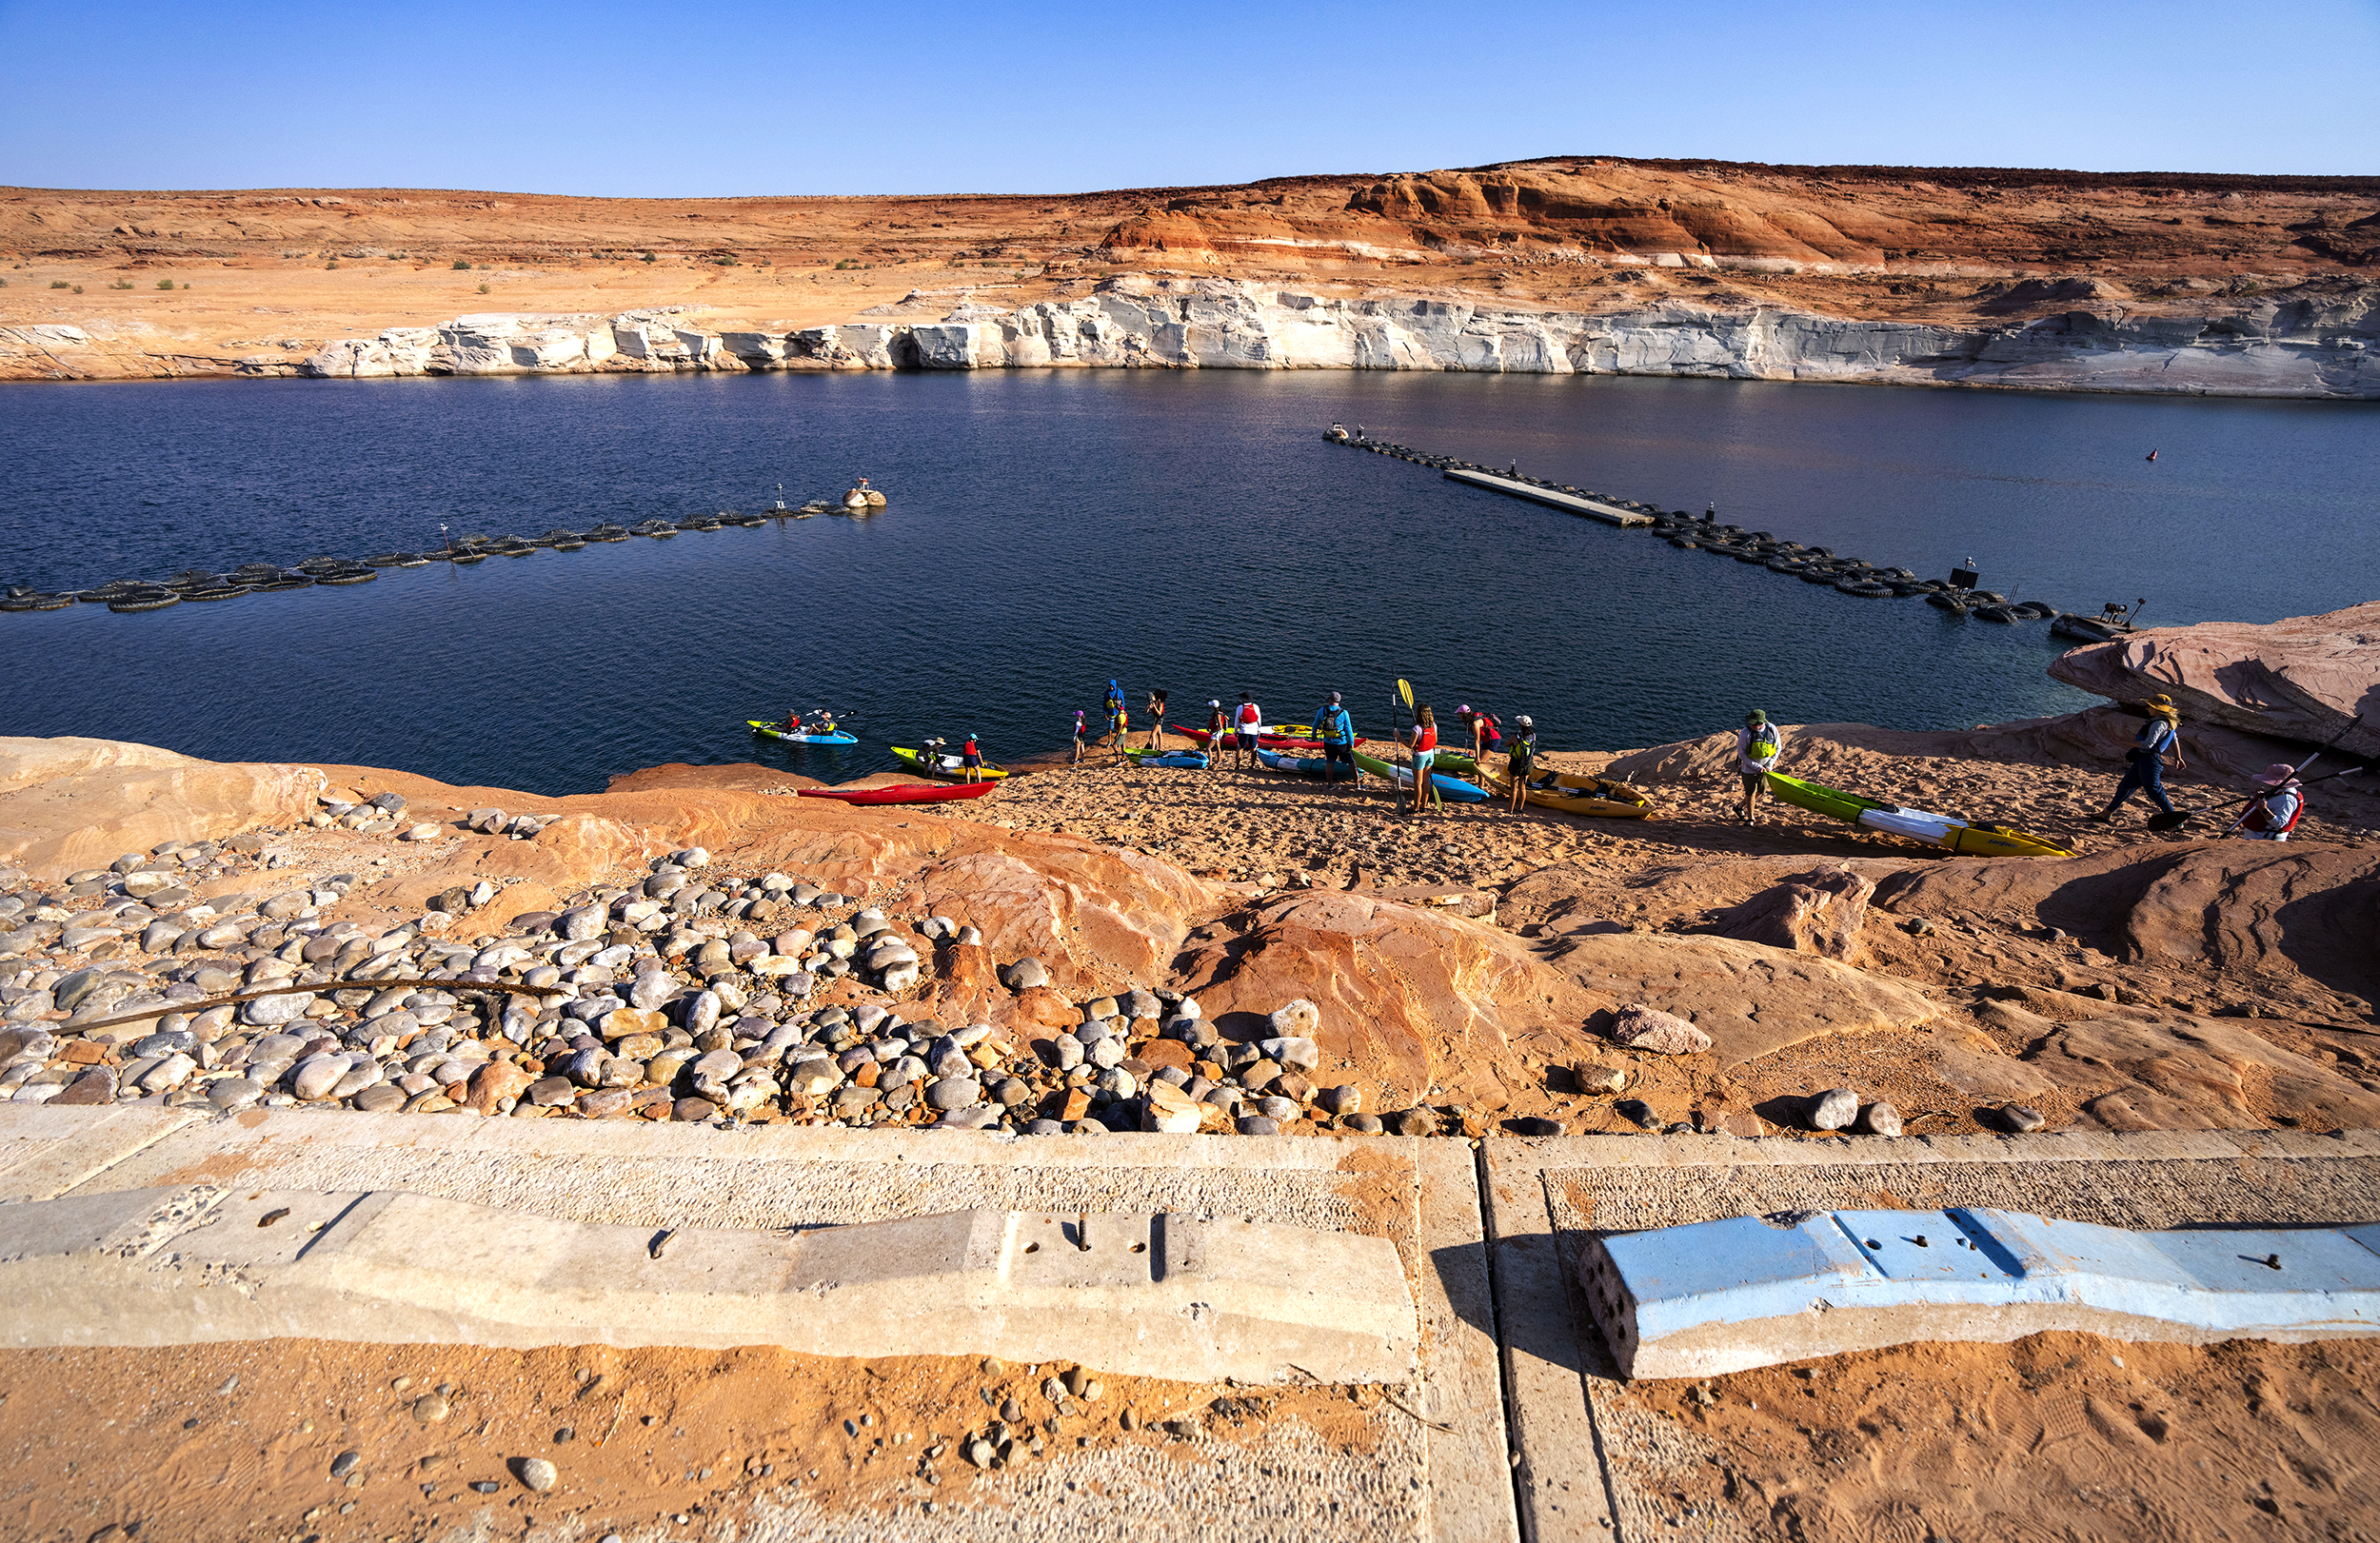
2271,815
2159,736
1757,746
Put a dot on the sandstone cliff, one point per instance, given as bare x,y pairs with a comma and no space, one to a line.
2305,348
2309,679
2016,278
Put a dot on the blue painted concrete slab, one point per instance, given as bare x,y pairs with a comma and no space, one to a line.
1751,1290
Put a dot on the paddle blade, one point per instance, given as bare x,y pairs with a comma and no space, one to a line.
1404,692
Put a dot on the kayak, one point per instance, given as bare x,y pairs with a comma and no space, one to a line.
1269,738
1947,831
773,732
1959,835
901,792
1318,766
1580,795
1820,800
1184,760
946,764
1453,788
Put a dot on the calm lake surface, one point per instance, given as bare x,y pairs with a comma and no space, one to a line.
1049,531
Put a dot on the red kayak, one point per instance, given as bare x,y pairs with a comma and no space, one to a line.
1264,742
902,792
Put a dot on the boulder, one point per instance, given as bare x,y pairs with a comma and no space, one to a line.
2305,678
1639,1027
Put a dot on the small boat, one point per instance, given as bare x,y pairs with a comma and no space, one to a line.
1947,831
1820,800
945,764
1181,760
773,732
902,792
1315,766
1576,794
1268,736
1453,788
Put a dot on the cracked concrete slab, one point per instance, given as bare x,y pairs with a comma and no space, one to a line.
1593,1455
1433,1463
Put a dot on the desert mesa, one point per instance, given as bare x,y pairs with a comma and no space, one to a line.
2167,283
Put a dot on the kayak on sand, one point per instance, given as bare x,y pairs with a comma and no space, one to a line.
772,732
944,764
1947,831
1576,794
1181,760
1315,766
901,792
1448,787
1271,736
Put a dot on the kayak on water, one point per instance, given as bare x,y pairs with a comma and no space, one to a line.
901,792
1448,787
773,732
1316,766
1576,794
1947,831
946,764
1185,759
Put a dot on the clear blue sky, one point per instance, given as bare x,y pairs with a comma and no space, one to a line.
704,99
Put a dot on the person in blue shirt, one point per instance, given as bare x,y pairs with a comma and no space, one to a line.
1338,732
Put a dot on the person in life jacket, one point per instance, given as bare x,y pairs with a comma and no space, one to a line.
1118,720
972,759
2271,815
1245,723
1520,757
1338,732
1077,736
1217,732
1424,755
1757,744
2158,738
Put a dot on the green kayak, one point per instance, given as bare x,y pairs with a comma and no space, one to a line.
1821,800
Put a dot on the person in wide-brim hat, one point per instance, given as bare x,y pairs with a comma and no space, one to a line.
2159,736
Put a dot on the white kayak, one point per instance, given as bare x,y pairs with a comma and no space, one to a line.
1917,824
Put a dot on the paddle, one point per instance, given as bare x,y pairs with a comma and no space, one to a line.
2183,816
1404,694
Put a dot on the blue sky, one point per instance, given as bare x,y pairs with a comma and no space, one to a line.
605,98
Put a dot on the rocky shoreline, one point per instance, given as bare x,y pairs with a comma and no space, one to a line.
2319,346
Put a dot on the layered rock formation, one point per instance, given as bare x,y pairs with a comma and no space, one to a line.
2305,349
2304,678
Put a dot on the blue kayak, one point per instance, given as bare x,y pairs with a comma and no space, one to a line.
773,732
1184,760
1453,789
1316,766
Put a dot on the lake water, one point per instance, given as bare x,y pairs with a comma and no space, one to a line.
1049,531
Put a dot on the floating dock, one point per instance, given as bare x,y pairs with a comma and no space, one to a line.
1569,502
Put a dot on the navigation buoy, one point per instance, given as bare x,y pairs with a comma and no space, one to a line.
2153,455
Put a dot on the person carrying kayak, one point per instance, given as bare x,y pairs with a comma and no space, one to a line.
1157,718
2272,815
1217,732
1520,759
972,759
1757,744
1338,732
1077,736
1424,757
2160,736
1245,722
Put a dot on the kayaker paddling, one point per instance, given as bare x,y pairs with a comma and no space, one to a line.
1520,759
1757,746
2159,736
1337,731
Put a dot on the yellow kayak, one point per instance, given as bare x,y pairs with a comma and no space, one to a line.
1579,795
946,765
2003,842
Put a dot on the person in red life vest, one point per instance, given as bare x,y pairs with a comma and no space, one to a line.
1245,725
972,759
2271,815
1424,755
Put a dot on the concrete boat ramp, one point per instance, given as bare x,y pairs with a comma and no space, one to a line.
1478,1290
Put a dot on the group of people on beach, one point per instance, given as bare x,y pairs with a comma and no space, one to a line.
2269,814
